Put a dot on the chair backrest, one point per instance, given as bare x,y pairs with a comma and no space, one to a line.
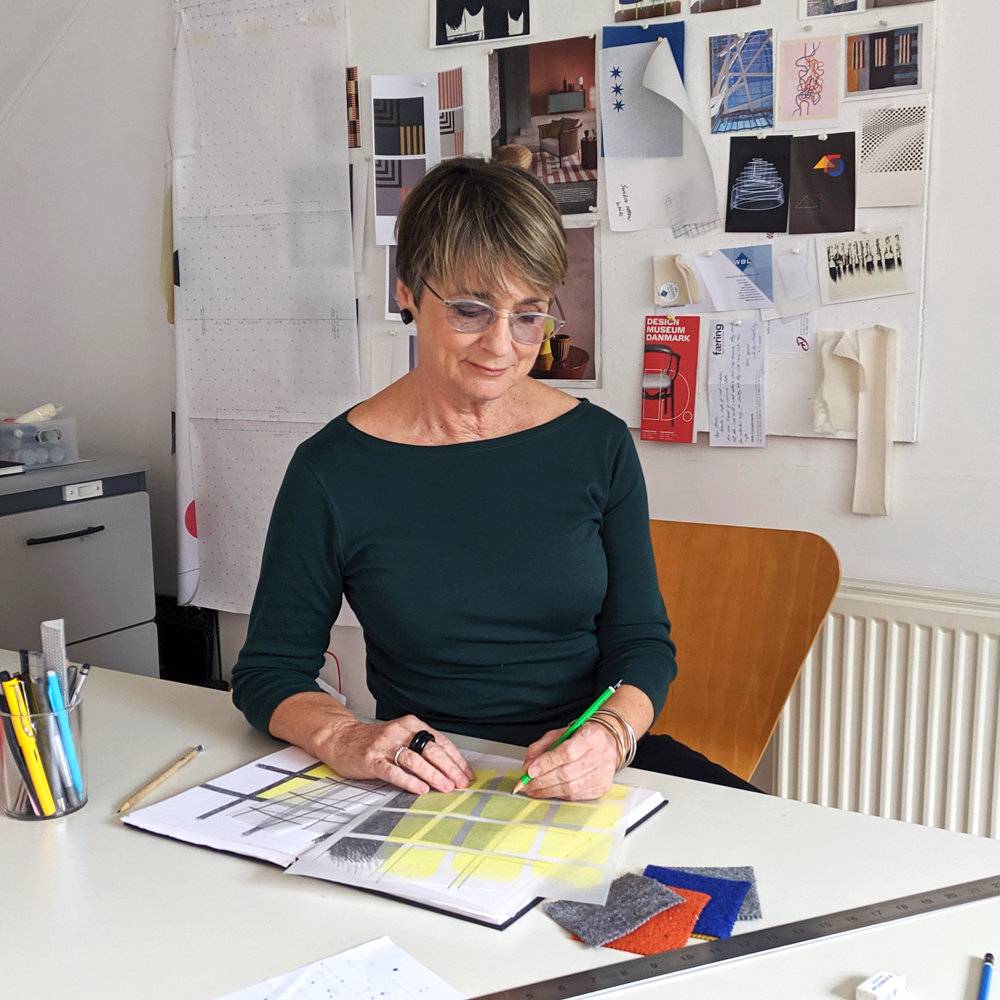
745,606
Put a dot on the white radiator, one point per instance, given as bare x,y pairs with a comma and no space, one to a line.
897,709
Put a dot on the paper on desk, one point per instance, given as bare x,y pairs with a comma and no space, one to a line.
379,969
736,397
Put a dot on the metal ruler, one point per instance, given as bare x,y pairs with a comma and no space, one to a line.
668,963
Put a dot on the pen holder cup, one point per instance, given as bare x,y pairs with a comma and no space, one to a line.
41,763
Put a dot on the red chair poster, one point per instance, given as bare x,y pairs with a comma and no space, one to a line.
669,378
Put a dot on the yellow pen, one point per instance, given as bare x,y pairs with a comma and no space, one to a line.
26,740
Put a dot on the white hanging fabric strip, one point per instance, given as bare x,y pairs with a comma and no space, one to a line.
856,391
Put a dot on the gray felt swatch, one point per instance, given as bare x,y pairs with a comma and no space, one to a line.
632,900
750,910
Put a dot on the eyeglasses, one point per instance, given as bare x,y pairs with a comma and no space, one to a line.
471,316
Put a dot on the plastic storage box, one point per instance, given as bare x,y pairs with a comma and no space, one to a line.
41,445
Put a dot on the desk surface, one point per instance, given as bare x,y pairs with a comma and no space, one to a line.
112,913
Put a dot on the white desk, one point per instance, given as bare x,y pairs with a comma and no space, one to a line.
91,909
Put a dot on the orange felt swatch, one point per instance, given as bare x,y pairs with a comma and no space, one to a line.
667,930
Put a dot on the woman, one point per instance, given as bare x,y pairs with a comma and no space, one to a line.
490,531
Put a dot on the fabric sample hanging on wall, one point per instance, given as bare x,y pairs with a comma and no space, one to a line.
267,343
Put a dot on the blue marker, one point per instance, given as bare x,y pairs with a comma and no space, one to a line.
59,707
986,977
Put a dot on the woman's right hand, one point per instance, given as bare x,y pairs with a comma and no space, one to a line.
321,726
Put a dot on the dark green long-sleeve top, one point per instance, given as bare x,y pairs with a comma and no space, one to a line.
501,584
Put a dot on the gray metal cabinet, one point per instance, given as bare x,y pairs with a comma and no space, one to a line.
87,561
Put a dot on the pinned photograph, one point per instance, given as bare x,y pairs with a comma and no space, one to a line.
822,197
808,80
637,10
706,6
571,355
884,60
759,178
864,265
872,4
669,379
821,8
893,155
543,109
458,22
742,69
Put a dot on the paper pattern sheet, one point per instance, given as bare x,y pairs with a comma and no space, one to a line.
379,970
479,851
657,170
736,357
266,317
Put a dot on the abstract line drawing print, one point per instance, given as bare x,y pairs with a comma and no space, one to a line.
399,126
742,68
883,60
809,91
808,79
758,188
394,179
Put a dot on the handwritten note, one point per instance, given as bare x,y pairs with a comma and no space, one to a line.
736,384
378,970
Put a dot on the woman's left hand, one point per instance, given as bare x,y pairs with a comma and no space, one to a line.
581,768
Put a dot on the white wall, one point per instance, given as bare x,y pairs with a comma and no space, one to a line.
82,154
81,184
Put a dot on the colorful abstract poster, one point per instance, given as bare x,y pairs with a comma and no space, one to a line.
822,8
707,6
884,60
742,81
458,22
864,265
637,10
823,190
669,379
759,179
544,116
451,113
808,80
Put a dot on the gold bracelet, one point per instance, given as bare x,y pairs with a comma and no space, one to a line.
618,739
630,732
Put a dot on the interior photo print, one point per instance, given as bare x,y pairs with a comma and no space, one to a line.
543,116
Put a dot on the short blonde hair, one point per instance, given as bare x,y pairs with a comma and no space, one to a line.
468,218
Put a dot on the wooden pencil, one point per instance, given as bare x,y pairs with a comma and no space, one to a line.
160,778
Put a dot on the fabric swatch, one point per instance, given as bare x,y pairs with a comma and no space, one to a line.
667,930
750,910
632,900
727,897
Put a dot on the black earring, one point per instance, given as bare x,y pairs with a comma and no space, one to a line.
405,315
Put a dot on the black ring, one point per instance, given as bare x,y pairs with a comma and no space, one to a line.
420,741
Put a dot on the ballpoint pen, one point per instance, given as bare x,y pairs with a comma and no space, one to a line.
69,748
25,734
46,731
81,676
986,977
572,728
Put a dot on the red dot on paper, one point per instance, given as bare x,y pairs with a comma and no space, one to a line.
190,522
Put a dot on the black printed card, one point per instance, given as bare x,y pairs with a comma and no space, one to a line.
759,176
823,184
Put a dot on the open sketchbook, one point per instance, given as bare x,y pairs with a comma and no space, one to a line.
479,853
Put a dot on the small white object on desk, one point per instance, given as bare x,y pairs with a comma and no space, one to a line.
881,986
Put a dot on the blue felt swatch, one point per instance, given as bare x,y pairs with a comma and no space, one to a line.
720,913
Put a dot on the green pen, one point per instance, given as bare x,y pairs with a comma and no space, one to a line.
573,727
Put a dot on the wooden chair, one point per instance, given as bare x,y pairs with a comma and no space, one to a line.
745,606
